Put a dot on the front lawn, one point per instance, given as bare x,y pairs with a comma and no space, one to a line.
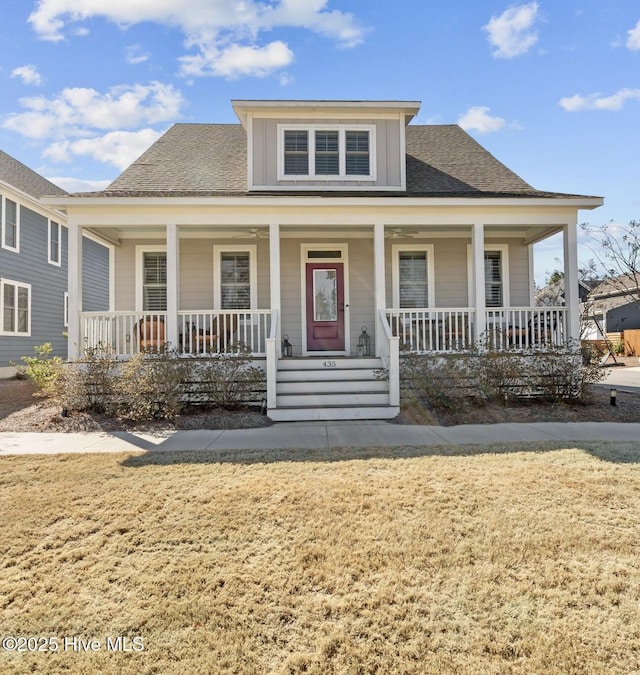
374,561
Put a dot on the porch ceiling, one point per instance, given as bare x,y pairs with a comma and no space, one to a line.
527,233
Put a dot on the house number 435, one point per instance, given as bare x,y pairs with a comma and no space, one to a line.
328,364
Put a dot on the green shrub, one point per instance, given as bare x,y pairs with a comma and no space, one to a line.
42,369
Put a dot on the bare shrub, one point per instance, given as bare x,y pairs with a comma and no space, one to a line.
152,385
229,380
555,374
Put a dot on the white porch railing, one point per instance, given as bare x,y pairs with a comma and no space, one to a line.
389,348
453,329
199,332
526,327
432,330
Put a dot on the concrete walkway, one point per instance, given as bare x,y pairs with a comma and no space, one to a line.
315,435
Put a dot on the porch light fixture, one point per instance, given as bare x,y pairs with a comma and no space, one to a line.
364,343
613,394
287,348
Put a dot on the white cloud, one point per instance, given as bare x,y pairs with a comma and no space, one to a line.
511,34
136,54
77,112
616,101
633,41
237,61
28,74
118,148
224,33
477,118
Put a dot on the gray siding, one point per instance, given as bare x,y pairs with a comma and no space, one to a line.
48,285
265,153
95,275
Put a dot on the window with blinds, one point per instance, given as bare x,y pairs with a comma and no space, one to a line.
327,153
414,291
357,153
154,284
493,279
235,280
296,153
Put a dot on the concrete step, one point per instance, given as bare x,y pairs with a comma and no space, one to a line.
329,413
329,363
327,375
309,386
363,398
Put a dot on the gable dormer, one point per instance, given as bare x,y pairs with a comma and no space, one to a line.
326,145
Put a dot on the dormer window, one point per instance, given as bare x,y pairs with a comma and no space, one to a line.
326,152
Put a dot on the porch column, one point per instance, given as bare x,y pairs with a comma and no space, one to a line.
477,276
274,272
379,279
173,284
74,289
571,296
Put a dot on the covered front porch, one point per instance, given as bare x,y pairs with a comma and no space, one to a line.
339,288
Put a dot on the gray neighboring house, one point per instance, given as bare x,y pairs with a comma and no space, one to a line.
34,268
611,307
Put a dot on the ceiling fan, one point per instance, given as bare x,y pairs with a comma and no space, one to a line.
253,233
398,232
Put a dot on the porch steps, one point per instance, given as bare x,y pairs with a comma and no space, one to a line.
333,388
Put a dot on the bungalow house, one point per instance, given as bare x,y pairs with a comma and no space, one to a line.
327,236
33,266
613,306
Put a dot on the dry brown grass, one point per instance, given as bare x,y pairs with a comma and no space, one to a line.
378,561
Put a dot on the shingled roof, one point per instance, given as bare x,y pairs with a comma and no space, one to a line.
26,180
211,160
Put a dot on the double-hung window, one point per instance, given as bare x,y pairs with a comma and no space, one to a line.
235,277
55,243
10,224
154,281
15,298
326,152
413,276
493,282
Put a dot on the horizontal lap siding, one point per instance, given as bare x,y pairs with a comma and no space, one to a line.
361,289
48,285
196,271
95,275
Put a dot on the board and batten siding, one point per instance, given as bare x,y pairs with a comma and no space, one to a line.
265,153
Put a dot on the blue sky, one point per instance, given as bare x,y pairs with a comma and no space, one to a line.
552,89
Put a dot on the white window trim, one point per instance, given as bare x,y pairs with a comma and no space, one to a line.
342,151
65,309
140,251
57,263
504,259
17,284
396,249
4,244
218,250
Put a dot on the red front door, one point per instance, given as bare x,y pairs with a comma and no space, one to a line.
325,306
